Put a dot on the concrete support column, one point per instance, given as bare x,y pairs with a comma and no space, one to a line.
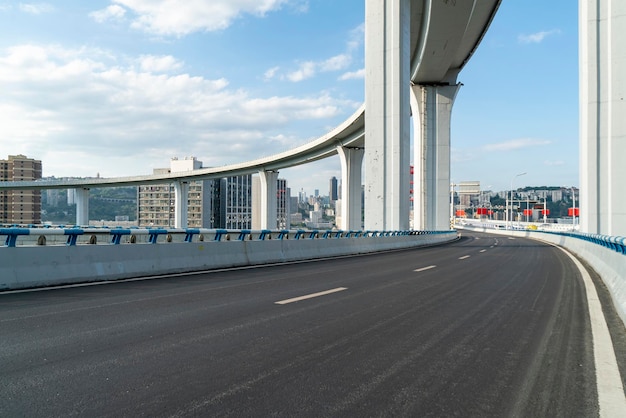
387,115
351,167
269,190
82,206
602,123
181,204
432,110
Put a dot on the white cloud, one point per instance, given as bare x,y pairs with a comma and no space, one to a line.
112,12
538,37
353,75
271,73
357,36
306,70
336,63
515,144
83,111
179,18
299,6
35,9
159,64
339,62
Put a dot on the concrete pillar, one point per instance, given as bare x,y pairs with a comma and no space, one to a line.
602,42
82,206
181,203
269,190
432,110
351,167
387,114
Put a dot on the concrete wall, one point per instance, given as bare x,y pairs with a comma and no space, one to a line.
35,266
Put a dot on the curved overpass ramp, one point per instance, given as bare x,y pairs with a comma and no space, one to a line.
443,36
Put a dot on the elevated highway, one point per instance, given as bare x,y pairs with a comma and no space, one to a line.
441,36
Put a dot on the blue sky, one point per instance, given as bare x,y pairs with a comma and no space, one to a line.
119,87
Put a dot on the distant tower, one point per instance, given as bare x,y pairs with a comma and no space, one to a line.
333,190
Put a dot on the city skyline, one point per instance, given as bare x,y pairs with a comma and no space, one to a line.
116,88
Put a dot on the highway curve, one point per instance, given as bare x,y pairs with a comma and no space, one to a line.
484,327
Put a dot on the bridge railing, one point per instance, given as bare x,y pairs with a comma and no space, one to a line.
615,243
30,236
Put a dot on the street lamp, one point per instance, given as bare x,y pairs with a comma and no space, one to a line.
511,200
452,213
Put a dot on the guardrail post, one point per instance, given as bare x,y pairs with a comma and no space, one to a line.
243,234
219,233
72,235
153,235
116,235
189,233
12,234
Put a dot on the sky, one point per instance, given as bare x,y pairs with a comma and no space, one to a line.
117,88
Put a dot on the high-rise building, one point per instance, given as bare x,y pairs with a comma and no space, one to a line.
333,190
20,206
283,206
231,203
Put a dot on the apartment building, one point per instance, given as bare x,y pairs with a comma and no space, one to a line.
20,206
156,202
221,203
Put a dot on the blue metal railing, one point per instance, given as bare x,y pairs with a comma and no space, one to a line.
117,236
611,242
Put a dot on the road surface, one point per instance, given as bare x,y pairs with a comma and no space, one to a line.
486,326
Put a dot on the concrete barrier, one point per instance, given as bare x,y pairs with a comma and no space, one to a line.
30,265
604,254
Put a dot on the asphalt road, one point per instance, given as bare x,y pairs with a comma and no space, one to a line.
487,326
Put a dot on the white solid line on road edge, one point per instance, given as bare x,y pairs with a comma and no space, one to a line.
312,295
464,257
425,268
611,400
